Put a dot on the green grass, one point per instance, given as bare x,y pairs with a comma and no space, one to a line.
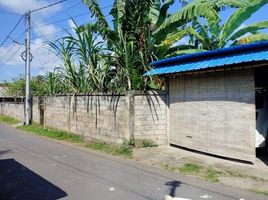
190,168
138,143
240,175
212,175
51,133
260,192
193,168
116,150
148,143
8,120
123,150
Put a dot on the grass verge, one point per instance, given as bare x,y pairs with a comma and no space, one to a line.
190,168
51,133
197,170
239,175
116,150
260,192
123,150
9,120
212,175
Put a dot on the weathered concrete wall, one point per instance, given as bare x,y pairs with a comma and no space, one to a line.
36,110
150,117
110,118
99,117
15,110
214,113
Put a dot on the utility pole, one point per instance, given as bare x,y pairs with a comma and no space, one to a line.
27,69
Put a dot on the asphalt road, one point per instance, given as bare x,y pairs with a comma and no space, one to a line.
36,168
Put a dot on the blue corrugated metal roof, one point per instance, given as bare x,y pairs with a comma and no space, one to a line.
210,59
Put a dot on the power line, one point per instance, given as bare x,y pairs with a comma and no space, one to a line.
14,45
10,57
76,16
36,28
12,31
65,29
15,41
54,33
72,6
50,5
62,20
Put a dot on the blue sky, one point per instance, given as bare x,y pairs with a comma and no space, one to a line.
42,30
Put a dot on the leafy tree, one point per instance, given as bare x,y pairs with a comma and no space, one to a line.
53,84
83,68
207,36
144,31
17,86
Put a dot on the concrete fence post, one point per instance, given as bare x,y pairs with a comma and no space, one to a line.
130,115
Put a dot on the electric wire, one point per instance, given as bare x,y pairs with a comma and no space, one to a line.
65,29
36,27
13,29
10,57
12,47
48,6
72,6
73,17
62,20
38,30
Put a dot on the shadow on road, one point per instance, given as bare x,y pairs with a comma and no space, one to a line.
18,182
173,186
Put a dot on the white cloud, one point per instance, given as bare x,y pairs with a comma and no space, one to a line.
37,18
43,58
22,6
6,53
71,23
47,32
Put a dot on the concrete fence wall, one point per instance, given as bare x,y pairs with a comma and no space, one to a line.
110,118
13,109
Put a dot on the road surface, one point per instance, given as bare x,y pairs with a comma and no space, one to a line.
34,168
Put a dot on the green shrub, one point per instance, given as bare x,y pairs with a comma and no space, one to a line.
129,143
148,143
124,149
190,168
212,175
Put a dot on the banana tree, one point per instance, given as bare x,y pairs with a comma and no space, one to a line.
151,29
208,36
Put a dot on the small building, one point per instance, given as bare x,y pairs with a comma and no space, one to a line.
218,100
